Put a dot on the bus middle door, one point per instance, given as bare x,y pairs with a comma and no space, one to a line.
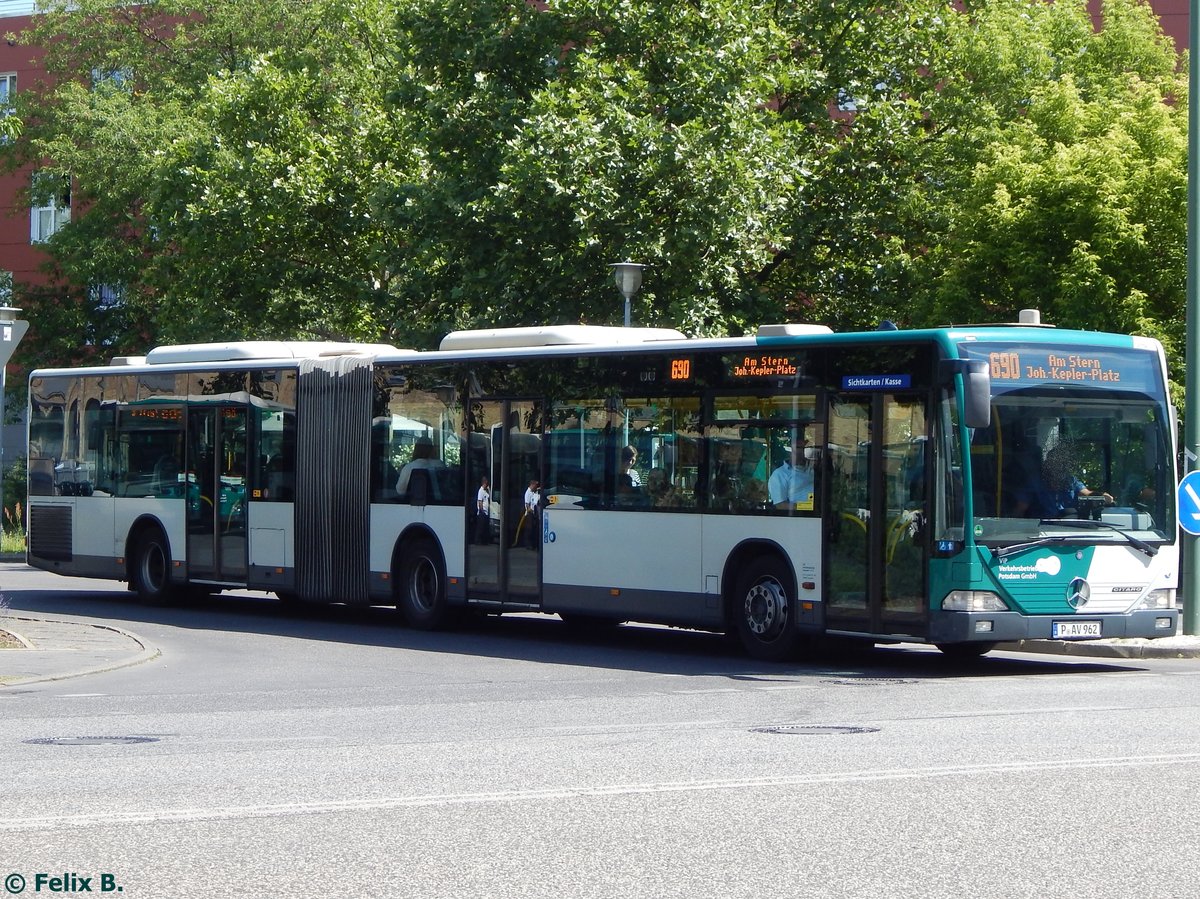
877,550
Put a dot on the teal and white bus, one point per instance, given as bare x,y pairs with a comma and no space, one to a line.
959,486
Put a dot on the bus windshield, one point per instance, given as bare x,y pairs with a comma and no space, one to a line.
1049,458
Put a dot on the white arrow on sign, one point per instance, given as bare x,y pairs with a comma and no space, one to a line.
1191,491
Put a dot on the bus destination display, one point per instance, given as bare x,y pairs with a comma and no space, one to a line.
762,365
1008,366
1014,366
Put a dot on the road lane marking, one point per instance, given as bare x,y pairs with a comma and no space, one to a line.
293,809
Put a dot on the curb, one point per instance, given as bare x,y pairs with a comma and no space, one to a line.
1147,650
25,644
148,653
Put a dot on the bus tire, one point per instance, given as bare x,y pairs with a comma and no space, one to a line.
965,651
150,572
422,586
764,610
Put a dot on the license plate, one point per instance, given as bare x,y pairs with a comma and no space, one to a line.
1072,630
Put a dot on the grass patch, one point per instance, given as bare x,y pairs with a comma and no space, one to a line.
12,541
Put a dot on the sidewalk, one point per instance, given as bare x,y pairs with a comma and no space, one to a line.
53,649
1177,647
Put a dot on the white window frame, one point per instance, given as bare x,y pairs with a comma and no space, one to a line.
8,89
107,296
44,221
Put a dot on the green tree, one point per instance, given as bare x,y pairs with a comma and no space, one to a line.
224,155
392,169
1066,188
697,138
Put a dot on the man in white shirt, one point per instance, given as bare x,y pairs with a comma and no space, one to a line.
791,484
532,525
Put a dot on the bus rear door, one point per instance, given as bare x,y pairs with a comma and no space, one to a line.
505,445
216,493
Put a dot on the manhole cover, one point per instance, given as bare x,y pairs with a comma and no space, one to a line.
813,730
868,681
90,741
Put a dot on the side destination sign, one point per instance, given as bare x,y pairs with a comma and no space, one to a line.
876,382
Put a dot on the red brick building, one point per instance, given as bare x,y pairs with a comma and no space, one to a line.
1174,17
19,225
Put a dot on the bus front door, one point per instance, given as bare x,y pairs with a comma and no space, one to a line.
876,546
504,557
216,494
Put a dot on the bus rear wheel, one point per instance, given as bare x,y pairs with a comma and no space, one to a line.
150,574
764,611
422,598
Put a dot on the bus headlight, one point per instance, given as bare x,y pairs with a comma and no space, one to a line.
1157,599
973,601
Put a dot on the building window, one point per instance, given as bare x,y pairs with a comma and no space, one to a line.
114,79
107,296
52,205
8,90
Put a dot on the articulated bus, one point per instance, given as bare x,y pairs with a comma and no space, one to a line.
959,487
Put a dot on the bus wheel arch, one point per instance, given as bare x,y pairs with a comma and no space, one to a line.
760,602
419,575
148,562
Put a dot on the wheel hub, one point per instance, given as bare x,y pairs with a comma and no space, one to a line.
424,585
766,608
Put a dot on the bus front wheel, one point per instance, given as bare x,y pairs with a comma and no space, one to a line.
422,599
150,576
764,610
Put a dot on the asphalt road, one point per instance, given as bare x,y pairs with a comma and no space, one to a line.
335,754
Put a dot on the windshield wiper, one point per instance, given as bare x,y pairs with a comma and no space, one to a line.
1003,552
1137,544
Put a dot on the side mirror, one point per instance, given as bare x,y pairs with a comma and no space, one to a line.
977,389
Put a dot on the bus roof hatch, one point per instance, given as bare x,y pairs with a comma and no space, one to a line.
260,349
554,335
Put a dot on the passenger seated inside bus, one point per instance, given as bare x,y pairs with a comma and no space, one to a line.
423,459
733,487
791,483
660,492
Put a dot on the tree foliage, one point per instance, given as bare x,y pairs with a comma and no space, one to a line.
392,169
1075,201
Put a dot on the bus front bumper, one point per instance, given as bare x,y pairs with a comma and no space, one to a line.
1005,627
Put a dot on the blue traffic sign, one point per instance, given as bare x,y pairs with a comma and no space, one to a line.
1189,503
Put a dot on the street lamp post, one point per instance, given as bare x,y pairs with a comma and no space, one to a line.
12,330
629,279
